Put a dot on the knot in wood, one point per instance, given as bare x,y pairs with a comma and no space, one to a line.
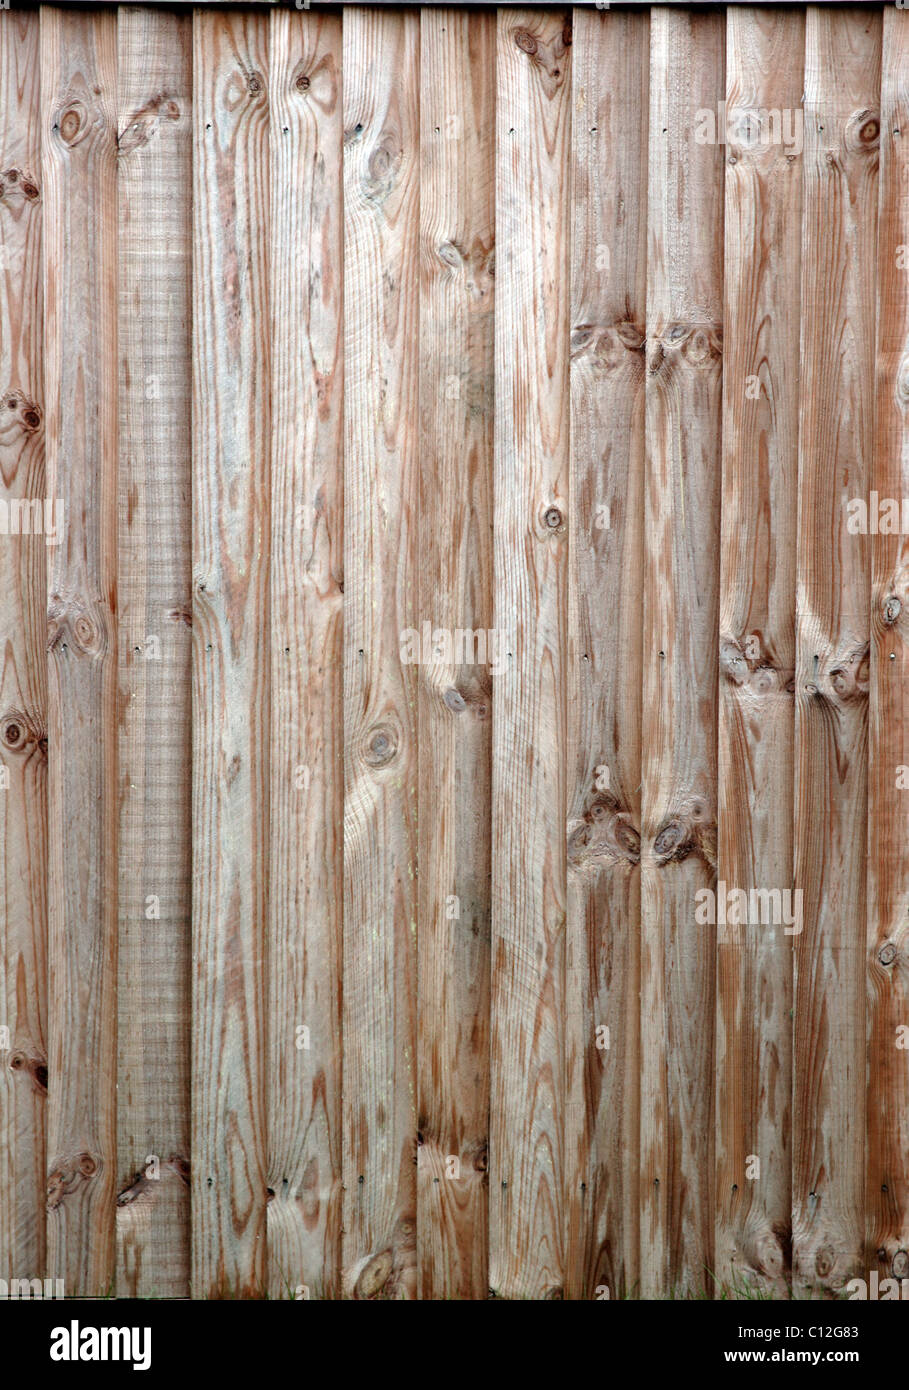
383,165
850,679
606,835
373,1277
547,56
55,1190
578,840
629,840
21,734
13,735
18,186
72,122
33,1067
609,347
691,829
900,1264
732,661
698,343
702,347
863,131
66,1178
671,842
181,1167
145,123
405,1233
768,1255
130,1194
764,680
450,255
891,609
887,954
19,416
84,632
381,746
71,624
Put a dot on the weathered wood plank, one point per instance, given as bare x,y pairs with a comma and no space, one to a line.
610,79
533,128
381,56
842,73
23,676
307,578
79,100
231,526
155,588
764,73
457,188
886,1176
681,588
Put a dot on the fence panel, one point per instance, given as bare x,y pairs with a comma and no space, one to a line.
452,726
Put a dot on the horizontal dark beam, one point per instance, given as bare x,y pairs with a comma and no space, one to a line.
473,4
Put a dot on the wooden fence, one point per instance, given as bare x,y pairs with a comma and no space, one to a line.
453,714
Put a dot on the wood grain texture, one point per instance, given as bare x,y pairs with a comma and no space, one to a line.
79,101
842,71
231,529
23,678
307,581
381,57
887,1143
426,635
503,4
610,80
764,73
531,484
681,589
457,191
155,587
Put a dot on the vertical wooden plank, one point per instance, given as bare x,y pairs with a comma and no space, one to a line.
764,140
610,63
231,429
23,676
79,98
681,589
307,577
842,72
533,128
886,1178
381,57
155,586
457,193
